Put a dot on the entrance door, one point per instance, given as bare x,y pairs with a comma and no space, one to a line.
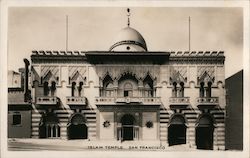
204,134
77,128
204,138
176,134
49,126
128,127
77,131
177,130
128,132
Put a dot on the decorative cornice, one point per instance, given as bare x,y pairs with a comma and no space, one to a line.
58,53
172,54
197,54
199,57
57,56
108,56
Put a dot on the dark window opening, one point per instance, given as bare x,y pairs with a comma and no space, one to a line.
46,88
53,88
174,90
202,91
80,89
16,119
181,90
73,89
128,90
125,93
208,93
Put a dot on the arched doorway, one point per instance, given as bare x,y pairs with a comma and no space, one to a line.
177,131
49,126
77,128
128,122
204,133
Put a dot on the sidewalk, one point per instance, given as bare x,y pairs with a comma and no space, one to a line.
62,144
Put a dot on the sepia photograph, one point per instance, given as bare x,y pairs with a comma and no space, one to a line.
122,79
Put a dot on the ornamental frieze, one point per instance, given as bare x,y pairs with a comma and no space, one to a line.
140,72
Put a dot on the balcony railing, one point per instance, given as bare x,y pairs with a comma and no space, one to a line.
47,100
179,100
128,100
207,101
75,100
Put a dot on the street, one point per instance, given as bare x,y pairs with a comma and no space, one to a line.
81,145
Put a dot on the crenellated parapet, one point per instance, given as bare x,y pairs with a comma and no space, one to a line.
58,53
57,56
197,57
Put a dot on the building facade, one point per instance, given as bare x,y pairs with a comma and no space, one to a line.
128,93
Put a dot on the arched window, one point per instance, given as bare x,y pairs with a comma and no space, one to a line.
128,90
208,90
46,88
148,91
73,89
80,89
174,90
205,91
53,88
148,86
109,90
202,91
181,90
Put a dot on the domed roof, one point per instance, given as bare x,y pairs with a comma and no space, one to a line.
129,39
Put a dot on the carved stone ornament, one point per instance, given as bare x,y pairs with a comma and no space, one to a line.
149,124
50,73
106,124
115,72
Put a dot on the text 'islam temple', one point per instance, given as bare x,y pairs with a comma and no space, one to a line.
126,93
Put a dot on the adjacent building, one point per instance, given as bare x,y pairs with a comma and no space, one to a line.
234,116
19,107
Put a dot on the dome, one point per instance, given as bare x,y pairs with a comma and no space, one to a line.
128,39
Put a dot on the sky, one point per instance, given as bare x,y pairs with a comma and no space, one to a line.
95,28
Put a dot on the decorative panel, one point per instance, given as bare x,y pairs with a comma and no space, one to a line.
77,73
178,74
205,74
50,73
